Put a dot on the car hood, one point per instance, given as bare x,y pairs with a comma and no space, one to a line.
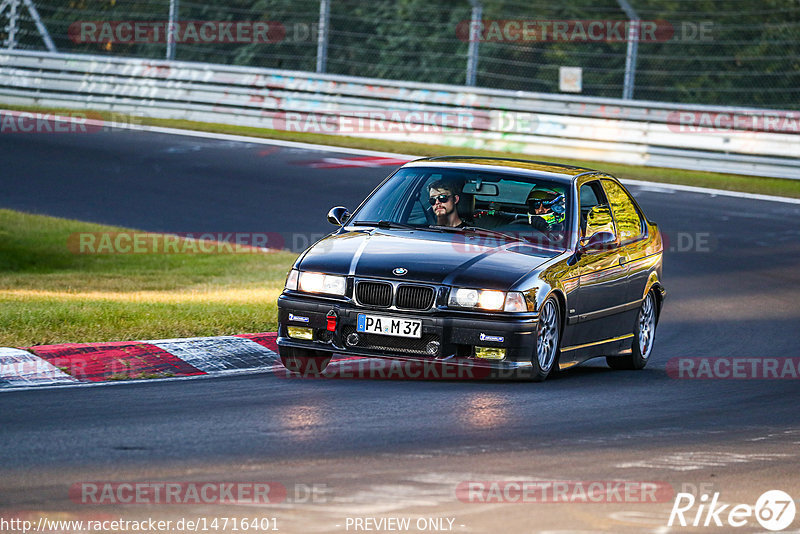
433,257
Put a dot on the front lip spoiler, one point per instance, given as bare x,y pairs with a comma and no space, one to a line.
499,365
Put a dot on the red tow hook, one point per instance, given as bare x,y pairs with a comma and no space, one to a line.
332,317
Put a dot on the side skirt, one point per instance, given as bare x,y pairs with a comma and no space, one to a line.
577,354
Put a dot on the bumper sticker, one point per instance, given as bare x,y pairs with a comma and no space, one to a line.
298,318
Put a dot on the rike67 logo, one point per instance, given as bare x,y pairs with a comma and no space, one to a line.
774,510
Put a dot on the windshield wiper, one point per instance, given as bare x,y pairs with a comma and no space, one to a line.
475,229
495,232
386,224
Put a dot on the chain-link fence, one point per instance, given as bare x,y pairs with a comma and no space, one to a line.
725,52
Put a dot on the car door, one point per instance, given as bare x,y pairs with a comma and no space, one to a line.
603,274
632,234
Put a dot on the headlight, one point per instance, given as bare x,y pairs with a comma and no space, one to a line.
488,299
322,283
491,300
464,298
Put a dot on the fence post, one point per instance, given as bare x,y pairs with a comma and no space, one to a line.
172,29
322,35
474,38
633,49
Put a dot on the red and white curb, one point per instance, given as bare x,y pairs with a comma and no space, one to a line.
83,363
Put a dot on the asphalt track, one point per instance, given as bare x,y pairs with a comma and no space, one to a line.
399,447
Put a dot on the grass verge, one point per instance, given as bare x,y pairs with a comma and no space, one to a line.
729,182
49,294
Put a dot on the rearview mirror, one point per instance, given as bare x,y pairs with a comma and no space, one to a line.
480,188
338,215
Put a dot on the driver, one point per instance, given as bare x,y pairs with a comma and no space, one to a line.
545,209
443,197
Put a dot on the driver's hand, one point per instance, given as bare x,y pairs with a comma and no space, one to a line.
539,223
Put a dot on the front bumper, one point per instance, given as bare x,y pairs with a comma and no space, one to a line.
457,333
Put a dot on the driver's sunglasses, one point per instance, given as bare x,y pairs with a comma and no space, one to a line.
536,204
439,198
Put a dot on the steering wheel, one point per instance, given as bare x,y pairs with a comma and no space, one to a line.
430,216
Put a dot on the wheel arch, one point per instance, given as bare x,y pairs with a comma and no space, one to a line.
655,285
561,299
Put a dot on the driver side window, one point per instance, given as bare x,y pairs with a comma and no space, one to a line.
595,211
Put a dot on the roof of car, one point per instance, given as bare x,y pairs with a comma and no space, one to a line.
533,167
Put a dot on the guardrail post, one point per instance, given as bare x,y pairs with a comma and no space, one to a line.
474,39
322,35
172,29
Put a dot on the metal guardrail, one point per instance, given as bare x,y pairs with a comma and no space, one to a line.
612,130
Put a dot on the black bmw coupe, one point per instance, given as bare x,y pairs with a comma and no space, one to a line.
520,268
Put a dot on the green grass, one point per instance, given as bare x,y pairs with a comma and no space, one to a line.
731,182
50,294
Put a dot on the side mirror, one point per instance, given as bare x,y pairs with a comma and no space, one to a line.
338,215
597,242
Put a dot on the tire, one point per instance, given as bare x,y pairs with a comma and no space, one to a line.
548,340
304,362
643,338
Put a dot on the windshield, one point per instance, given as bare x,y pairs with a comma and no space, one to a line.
519,207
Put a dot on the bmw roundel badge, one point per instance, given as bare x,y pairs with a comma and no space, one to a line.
400,271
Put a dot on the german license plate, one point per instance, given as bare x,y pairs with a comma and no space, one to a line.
388,326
